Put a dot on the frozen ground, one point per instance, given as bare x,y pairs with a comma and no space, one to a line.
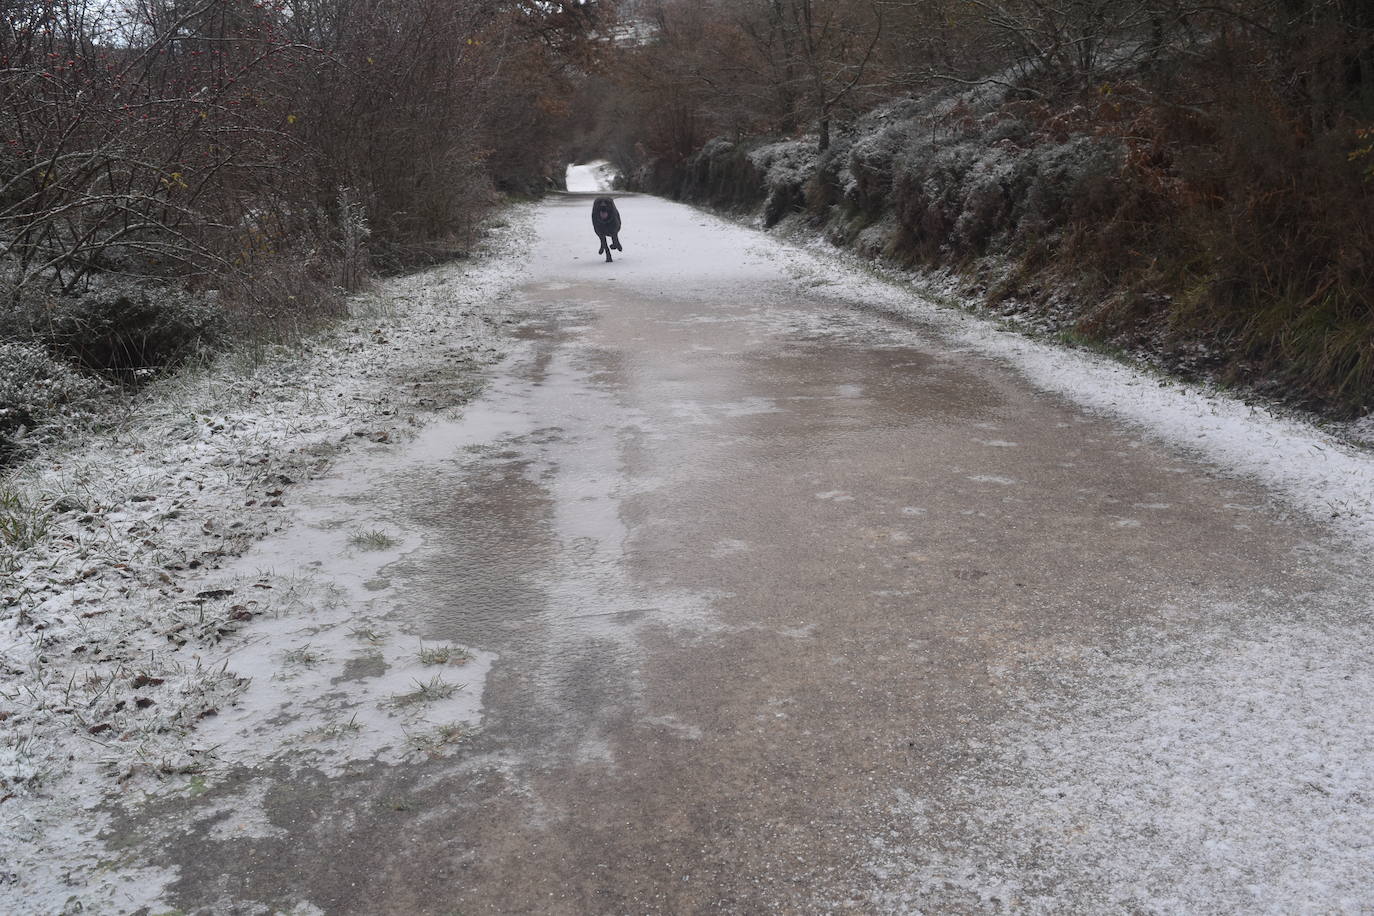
140,657
1218,775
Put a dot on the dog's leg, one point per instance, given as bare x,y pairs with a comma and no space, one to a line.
615,241
602,249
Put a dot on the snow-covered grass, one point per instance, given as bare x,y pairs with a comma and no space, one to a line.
134,654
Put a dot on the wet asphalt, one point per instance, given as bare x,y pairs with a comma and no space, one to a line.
756,566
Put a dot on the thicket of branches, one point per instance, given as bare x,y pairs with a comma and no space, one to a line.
189,138
1233,204
172,168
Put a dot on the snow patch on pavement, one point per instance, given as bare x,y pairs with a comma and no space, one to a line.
1212,776
1328,479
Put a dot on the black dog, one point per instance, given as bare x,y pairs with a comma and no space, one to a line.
606,222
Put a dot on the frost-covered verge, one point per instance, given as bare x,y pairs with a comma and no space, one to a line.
38,393
117,636
64,358
770,177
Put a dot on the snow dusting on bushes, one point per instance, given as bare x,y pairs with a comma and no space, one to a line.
733,176
972,187
129,332
1084,216
720,174
864,175
786,167
37,395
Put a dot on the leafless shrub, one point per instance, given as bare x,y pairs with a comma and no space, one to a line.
135,141
281,295
259,155
129,332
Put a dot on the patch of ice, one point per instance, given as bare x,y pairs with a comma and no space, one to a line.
746,407
241,815
675,725
729,547
73,873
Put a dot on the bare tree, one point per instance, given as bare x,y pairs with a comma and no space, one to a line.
818,54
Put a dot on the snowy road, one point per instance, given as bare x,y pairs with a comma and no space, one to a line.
781,603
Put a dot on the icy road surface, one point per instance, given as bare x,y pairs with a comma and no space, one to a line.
779,601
